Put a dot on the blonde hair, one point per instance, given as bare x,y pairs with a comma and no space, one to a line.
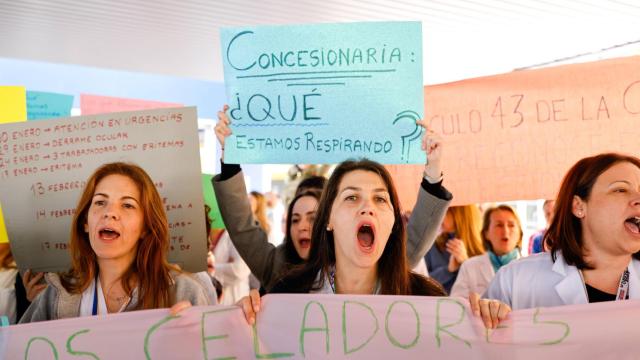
486,223
466,222
6,258
261,211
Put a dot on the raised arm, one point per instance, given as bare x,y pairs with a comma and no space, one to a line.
251,241
432,203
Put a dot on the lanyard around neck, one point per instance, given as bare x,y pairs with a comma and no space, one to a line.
623,286
94,308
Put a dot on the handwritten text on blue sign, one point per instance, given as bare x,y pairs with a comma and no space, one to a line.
324,93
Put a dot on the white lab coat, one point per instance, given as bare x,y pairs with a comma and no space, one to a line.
474,275
232,272
536,281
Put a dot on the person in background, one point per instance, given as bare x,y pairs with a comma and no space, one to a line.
535,241
314,183
298,173
502,237
459,239
259,210
433,200
119,244
230,269
8,275
594,241
206,277
275,215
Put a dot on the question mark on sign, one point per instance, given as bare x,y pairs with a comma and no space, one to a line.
409,116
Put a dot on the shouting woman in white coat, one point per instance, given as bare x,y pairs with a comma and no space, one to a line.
502,237
594,239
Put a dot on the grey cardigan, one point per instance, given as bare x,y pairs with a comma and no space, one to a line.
267,262
56,303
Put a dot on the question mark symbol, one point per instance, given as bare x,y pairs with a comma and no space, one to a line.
406,116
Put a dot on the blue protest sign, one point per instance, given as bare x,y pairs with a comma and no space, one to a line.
43,105
324,93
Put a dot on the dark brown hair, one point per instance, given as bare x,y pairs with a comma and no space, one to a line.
292,256
150,270
393,269
565,231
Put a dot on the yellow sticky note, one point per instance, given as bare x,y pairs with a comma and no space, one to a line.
13,104
4,238
13,108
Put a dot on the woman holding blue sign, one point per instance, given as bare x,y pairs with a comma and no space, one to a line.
119,244
594,239
359,243
268,262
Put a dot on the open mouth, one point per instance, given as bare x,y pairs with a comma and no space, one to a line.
633,224
366,236
304,243
108,234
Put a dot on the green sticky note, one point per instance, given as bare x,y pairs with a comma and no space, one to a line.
210,199
13,104
44,105
324,93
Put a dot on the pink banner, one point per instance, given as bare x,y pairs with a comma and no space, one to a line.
333,326
94,104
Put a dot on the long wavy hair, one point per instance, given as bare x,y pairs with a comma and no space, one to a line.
150,270
565,231
392,267
466,222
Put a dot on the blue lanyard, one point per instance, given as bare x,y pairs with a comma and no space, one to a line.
94,309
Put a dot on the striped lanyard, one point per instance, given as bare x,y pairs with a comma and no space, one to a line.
623,286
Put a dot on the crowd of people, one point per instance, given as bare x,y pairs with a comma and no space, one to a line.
342,235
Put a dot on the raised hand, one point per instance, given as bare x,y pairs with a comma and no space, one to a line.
222,129
432,146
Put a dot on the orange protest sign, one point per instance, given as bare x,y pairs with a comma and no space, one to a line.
513,136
